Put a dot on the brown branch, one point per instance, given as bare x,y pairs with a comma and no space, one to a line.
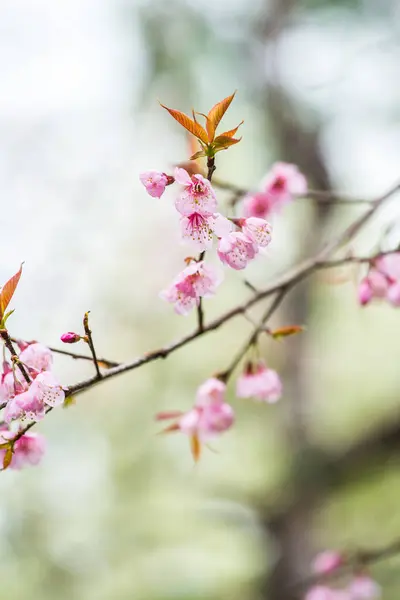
14,356
75,355
324,197
286,281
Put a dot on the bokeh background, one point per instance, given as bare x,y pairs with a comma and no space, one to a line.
115,511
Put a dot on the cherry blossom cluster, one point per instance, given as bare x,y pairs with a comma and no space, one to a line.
360,586
27,402
282,183
382,280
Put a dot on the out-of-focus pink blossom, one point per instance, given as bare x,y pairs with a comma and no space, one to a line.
37,357
28,450
363,587
257,230
259,204
209,417
284,181
196,281
12,384
259,382
198,195
327,562
236,250
320,592
154,182
212,391
70,337
382,280
280,185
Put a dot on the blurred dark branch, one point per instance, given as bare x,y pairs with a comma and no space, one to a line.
322,196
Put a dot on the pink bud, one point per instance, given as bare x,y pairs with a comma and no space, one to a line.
70,337
365,292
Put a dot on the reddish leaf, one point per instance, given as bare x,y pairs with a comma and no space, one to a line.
215,115
223,141
7,458
231,132
195,447
8,291
286,331
195,128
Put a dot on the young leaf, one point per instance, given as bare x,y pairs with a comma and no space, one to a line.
197,155
8,291
215,115
231,132
286,331
7,458
195,128
222,140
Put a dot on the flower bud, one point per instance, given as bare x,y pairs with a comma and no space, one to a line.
365,292
70,337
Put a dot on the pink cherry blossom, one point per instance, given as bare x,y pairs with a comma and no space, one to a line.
47,389
27,405
198,195
363,587
28,450
204,422
327,562
259,204
37,357
197,230
283,182
211,391
11,384
382,280
320,592
257,230
196,281
70,337
236,250
209,417
260,383
154,182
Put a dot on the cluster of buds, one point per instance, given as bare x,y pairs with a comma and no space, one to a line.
382,280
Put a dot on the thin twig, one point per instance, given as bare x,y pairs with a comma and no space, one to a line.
75,355
14,356
324,197
88,333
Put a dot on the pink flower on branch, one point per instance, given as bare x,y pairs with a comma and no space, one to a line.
196,281
281,184
236,250
382,280
209,417
363,587
198,195
37,357
259,382
327,562
155,182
